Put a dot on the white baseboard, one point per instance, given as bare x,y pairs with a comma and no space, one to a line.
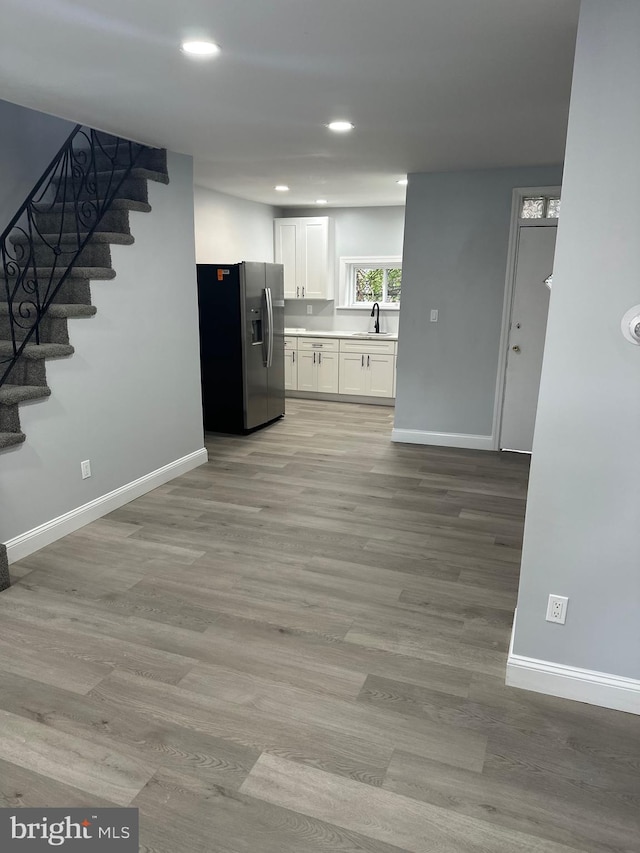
443,439
31,541
571,682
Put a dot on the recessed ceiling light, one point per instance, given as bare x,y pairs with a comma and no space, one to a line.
403,182
282,188
340,126
321,201
200,48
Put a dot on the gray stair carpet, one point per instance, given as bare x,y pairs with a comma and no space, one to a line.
28,378
4,568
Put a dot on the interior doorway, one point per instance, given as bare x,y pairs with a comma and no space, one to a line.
529,305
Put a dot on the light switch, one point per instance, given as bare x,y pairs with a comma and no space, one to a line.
434,315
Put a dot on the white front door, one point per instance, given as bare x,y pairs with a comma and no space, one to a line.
536,246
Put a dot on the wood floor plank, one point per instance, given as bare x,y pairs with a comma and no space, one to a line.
299,740
383,815
174,807
23,789
73,761
384,731
88,646
150,742
550,811
299,647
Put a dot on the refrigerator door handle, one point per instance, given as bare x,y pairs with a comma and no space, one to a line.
269,301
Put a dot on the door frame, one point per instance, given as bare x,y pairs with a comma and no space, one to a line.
512,258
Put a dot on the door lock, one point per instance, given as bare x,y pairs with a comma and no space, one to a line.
516,348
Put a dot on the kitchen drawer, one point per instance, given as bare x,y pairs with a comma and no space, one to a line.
290,343
367,345
318,344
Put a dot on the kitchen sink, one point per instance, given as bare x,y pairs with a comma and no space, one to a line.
368,334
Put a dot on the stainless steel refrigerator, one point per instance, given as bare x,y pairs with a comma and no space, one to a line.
241,345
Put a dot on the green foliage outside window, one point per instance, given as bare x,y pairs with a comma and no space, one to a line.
378,285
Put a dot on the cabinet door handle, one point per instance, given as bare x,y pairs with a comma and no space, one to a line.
314,358
362,365
298,292
319,358
293,357
368,361
303,292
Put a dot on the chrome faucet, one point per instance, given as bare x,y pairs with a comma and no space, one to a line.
376,325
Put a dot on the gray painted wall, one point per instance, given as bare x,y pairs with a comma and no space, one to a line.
230,230
28,142
455,255
359,231
129,398
583,517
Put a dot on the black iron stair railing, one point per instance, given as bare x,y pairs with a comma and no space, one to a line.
48,234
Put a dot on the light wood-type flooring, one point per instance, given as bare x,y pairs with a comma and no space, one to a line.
300,648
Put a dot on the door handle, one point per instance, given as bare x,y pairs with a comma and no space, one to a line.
303,292
362,361
298,292
269,301
293,357
516,348
368,361
319,358
314,358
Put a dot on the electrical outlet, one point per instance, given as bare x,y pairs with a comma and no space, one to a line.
85,467
557,609
309,309
434,315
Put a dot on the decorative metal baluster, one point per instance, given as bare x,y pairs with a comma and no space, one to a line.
71,186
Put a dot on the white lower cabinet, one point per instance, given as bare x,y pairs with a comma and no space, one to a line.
291,371
349,367
381,374
352,373
290,364
318,365
367,374
307,373
328,366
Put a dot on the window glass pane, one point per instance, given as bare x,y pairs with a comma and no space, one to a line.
394,284
369,285
532,208
553,208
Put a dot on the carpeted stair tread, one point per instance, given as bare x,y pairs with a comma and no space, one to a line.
9,439
60,310
116,204
143,172
5,580
96,237
95,273
10,395
38,351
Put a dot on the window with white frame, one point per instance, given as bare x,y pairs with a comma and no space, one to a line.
364,281
540,207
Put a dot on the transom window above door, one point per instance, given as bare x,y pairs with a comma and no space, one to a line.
540,207
364,281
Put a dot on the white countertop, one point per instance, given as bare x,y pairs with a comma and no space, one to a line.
306,333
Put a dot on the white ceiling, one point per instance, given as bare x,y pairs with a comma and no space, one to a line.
429,84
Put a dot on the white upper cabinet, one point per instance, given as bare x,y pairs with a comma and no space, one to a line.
303,245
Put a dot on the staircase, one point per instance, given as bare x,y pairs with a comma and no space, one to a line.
57,243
